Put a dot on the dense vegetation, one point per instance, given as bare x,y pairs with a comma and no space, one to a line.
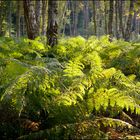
69,69
80,89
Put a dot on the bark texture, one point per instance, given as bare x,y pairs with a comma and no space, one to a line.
30,19
52,28
18,19
44,17
94,17
110,22
129,21
121,29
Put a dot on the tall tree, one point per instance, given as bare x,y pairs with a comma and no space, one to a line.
74,17
129,21
121,29
86,16
94,17
44,16
116,19
110,21
38,14
18,19
10,17
1,16
105,17
52,28
31,19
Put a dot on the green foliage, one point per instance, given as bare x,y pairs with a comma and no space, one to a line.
83,130
73,81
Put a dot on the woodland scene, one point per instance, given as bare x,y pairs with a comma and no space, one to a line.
69,69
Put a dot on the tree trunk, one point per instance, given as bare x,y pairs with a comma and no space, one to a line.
121,29
129,21
110,22
75,17
38,14
52,29
10,17
30,19
22,27
86,16
44,17
105,14
18,19
134,22
116,19
94,17
98,18
1,18
70,24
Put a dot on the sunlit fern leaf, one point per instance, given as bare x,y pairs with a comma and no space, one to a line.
114,98
33,82
108,72
74,69
11,69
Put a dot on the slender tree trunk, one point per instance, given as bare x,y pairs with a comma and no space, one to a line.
116,19
38,14
98,18
105,14
75,18
138,24
52,29
1,18
86,16
110,22
134,21
62,7
44,17
94,17
30,19
64,15
121,29
129,21
10,18
70,18
18,19
22,29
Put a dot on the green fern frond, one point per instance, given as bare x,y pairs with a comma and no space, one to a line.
113,98
74,69
33,82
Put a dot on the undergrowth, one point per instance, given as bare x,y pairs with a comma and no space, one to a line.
76,83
